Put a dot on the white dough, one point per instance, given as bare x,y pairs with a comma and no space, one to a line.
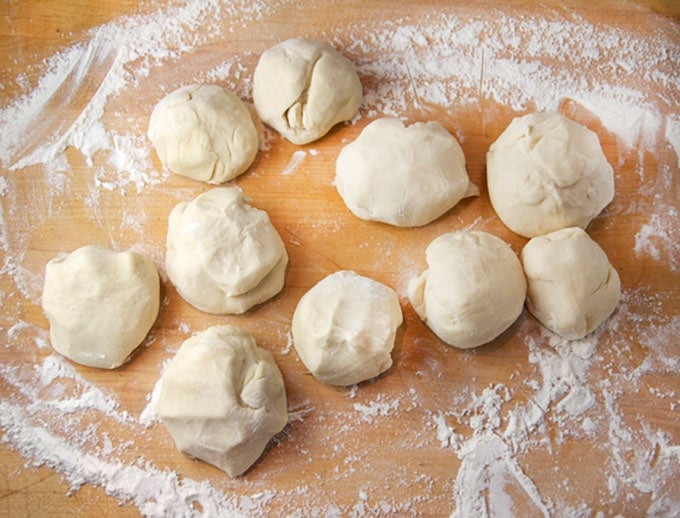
344,328
204,132
404,176
546,172
302,88
223,255
473,289
222,398
572,287
100,304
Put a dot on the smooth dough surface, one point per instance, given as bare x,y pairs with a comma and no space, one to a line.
100,304
344,328
572,287
473,289
302,88
222,398
402,175
204,132
546,172
223,255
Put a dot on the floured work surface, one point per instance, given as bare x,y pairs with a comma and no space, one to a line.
529,423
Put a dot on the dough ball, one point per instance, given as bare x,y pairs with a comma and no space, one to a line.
344,328
546,172
302,88
100,304
404,176
473,289
572,287
222,398
223,255
204,132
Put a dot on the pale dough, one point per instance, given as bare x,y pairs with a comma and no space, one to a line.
404,176
344,328
302,88
100,304
204,132
546,172
222,398
572,287
223,255
473,289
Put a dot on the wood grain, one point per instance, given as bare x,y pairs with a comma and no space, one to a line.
383,456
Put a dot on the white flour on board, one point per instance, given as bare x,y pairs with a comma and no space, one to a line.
443,61
295,161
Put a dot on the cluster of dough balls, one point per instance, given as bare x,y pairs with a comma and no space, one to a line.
222,397
301,88
547,178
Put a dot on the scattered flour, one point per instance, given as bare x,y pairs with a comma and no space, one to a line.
381,407
149,415
4,186
659,238
295,161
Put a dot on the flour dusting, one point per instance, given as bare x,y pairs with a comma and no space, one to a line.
295,161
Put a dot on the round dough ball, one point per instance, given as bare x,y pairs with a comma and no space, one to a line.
204,132
572,287
546,172
473,290
302,88
223,255
100,304
222,398
404,176
344,328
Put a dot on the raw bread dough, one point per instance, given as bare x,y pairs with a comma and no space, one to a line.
404,176
100,304
222,398
223,255
344,328
204,132
547,172
302,88
473,290
572,287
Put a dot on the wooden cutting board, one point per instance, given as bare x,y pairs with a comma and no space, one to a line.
400,444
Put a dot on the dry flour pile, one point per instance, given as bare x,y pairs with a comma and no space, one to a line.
498,440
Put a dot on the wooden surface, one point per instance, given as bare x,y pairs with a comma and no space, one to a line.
334,456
